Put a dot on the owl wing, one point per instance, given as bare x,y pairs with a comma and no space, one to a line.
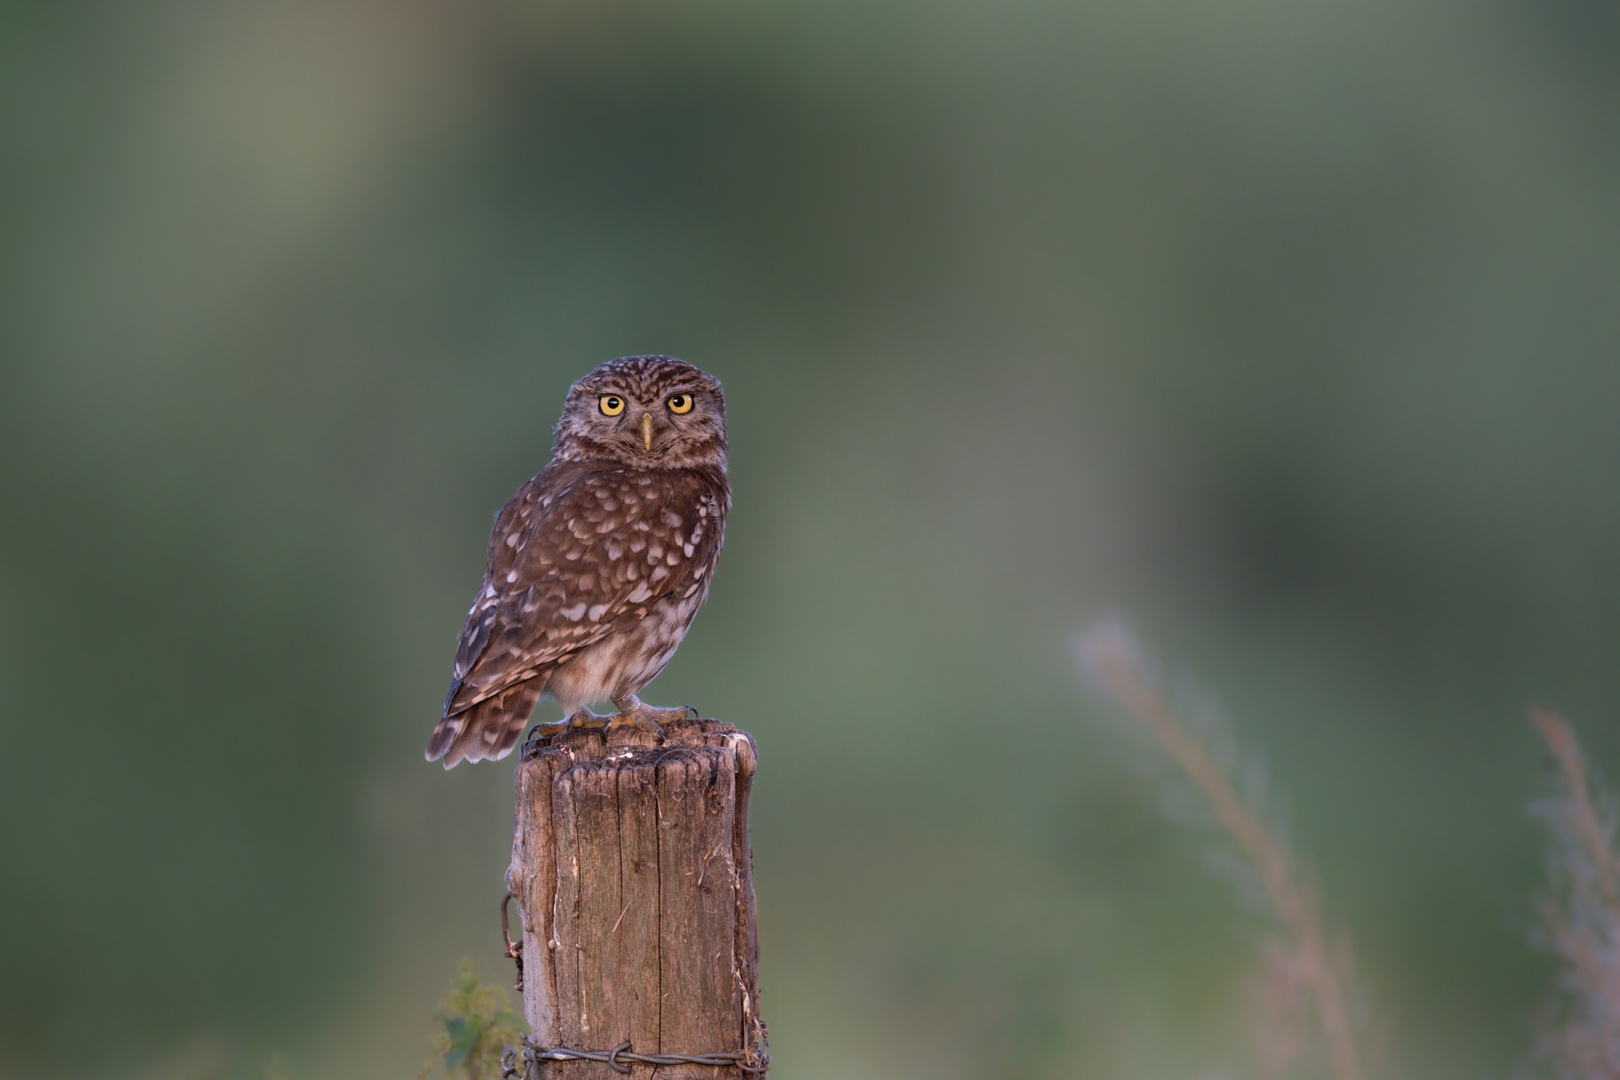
571,556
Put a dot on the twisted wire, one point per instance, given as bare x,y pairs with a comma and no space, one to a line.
618,1058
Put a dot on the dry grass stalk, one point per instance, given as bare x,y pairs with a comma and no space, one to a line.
1111,657
1582,915
1281,996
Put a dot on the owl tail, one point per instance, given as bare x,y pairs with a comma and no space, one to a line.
488,729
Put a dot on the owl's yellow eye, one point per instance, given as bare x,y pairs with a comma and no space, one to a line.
680,403
611,404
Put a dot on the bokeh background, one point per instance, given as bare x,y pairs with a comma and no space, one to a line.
1288,328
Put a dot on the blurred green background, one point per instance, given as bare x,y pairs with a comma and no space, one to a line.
1290,329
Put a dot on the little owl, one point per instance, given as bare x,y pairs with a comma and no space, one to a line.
599,563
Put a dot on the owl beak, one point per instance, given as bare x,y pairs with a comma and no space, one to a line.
647,429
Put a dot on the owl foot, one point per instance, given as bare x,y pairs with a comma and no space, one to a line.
622,722
648,719
545,732
633,716
585,720
552,728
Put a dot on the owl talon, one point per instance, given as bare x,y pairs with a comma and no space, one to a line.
635,713
540,734
634,722
585,720
546,730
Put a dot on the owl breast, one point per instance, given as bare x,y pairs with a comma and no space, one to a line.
625,661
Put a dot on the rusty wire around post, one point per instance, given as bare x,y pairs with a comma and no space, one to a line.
620,1056
514,949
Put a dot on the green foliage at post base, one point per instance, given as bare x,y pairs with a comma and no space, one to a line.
478,1026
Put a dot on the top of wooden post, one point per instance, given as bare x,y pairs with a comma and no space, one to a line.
625,744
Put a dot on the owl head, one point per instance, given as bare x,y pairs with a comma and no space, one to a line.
647,411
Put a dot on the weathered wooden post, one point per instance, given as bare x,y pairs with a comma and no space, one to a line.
631,865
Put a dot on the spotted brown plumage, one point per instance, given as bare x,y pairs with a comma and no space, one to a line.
598,565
